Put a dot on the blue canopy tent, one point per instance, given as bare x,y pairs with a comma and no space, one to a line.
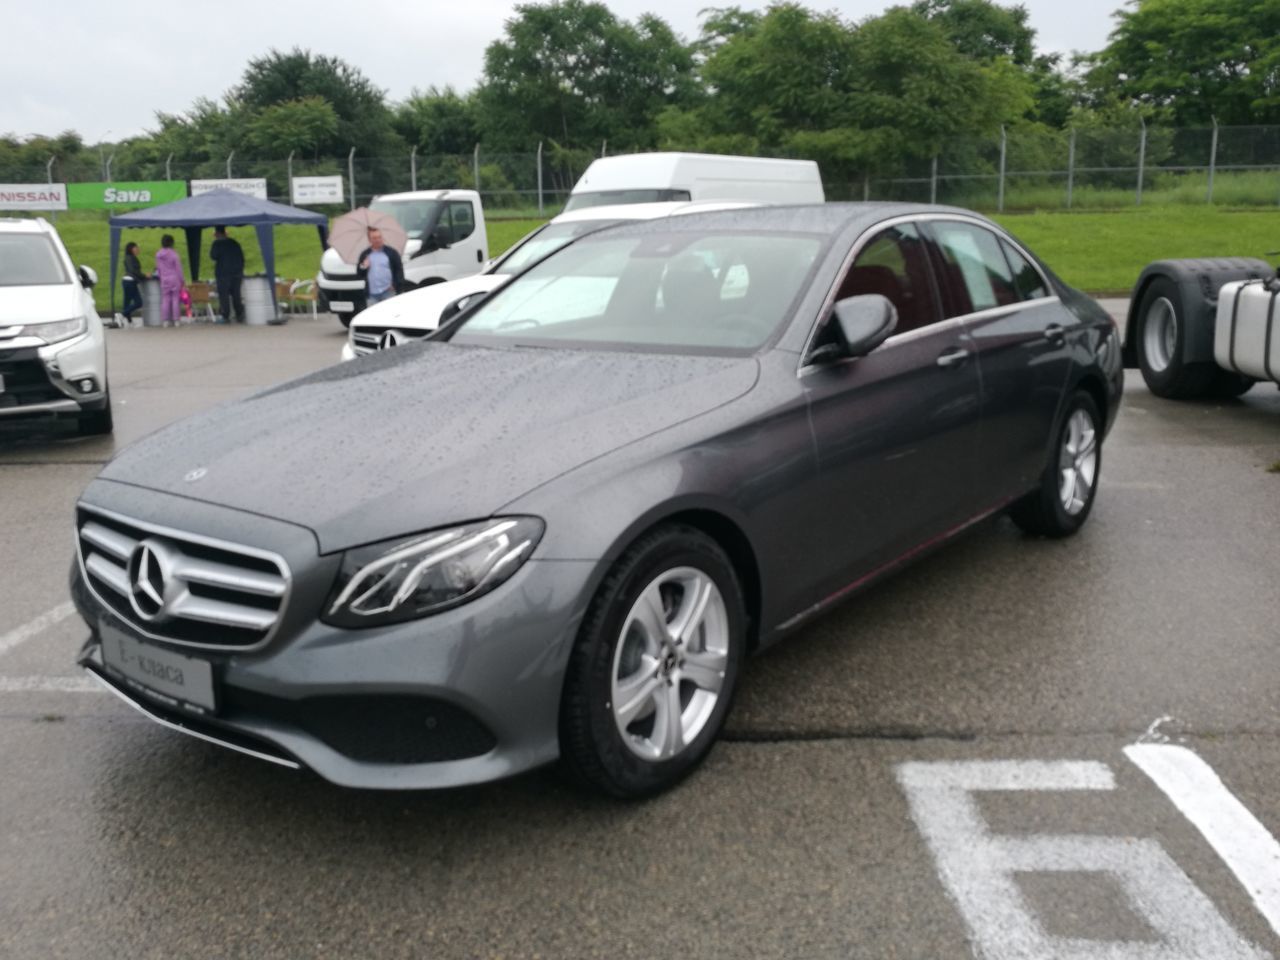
216,208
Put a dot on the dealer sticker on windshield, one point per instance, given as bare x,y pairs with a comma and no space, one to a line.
170,677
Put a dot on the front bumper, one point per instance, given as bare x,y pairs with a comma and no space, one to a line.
465,696
45,379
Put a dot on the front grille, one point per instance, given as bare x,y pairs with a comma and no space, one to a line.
366,340
178,587
25,379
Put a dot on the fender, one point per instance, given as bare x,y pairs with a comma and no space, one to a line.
1198,283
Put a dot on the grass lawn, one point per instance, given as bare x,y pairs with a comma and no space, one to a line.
1101,251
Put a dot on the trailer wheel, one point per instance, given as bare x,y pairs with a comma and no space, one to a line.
1161,337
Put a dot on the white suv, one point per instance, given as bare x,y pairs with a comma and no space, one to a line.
53,353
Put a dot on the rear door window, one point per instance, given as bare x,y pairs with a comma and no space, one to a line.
1026,278
975,273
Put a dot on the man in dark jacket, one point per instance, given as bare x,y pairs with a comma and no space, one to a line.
228,270
380,268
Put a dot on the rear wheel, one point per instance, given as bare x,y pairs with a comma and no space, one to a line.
1161,339
1061,504
655,665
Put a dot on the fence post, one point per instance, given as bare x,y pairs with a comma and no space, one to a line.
1142,158
229,156
413,168
110,158
1004,144
351,176
866,187
933,180
289,162
604,146
1213,158
48,172
1071,166
168,167
539,178
475,166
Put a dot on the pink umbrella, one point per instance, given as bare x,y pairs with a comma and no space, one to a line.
349,234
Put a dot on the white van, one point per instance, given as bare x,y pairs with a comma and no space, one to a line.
655,177
447,241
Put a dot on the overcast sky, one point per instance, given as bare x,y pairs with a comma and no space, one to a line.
105,68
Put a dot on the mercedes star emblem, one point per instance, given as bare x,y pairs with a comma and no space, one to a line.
147,580
389,339
193,475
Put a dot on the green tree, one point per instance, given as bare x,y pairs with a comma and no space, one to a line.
573,71
439,122
982,30
294,126
1200,59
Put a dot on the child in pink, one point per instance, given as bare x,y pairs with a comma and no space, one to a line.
169,272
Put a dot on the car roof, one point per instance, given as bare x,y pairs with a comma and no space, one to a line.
25,225
822,218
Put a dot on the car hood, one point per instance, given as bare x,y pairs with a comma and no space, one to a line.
424,435
420,309
42,304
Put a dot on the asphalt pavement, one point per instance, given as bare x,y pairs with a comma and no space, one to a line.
1014,749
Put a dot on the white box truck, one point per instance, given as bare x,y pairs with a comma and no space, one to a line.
655,177
447,241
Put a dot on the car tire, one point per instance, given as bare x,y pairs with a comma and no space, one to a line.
1062,503
1161,338
680,673
96,423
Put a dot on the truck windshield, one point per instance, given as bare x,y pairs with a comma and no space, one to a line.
415,216
600,198
545,241
29,260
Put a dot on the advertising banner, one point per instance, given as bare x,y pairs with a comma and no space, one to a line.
133,193
314,190
251,187
33,196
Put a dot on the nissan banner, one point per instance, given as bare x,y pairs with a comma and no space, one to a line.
33,196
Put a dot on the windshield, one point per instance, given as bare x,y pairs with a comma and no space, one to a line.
414,215
673,291
600,198
544,241
30,260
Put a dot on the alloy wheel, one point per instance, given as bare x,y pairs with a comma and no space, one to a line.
1078,462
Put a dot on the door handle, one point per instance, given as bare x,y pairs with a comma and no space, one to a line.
954,357
1055,333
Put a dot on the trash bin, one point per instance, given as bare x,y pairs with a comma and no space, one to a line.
259,309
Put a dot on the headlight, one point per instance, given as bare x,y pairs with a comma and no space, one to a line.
403,579
58,331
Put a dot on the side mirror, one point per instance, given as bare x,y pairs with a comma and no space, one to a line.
88,277
862,323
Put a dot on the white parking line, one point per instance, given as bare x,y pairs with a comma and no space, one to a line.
1240,840
33,628
48,685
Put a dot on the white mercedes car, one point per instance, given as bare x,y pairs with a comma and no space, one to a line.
53,352
413,315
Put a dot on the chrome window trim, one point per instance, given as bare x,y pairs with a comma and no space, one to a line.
867,235
203,541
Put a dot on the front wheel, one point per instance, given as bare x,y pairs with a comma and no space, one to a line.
96,423
655,665
1061,504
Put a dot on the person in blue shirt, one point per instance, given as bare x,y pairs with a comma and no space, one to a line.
381,269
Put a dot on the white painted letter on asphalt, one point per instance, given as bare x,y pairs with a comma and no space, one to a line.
978,868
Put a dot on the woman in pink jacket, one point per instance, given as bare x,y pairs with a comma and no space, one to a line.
169,272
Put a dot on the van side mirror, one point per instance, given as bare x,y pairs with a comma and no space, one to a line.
864,322
88,277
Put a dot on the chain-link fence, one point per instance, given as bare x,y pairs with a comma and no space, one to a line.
1084,168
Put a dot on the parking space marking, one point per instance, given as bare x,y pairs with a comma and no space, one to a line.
1243,843
33,628
979,869
49,685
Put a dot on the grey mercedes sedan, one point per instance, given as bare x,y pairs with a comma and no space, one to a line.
556,528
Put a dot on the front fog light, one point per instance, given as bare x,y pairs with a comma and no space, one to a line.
86,385
404,579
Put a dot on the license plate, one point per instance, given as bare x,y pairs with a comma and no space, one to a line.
170,677
341,306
